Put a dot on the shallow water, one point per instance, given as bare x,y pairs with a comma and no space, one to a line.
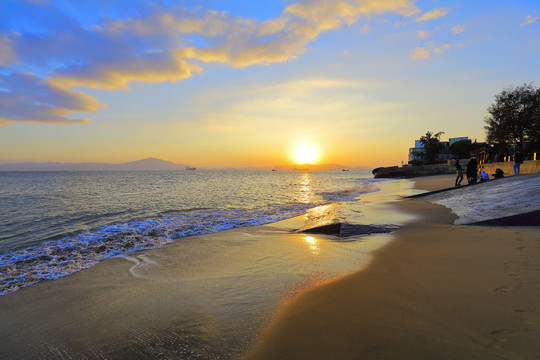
55,223
199,297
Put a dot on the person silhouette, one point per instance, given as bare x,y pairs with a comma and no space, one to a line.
459,170
472,170
518,160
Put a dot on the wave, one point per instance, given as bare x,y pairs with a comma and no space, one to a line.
365,186
60,257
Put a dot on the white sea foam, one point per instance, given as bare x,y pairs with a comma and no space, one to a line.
57,258
490,200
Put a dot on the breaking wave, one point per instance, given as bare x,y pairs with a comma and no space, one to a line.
57,258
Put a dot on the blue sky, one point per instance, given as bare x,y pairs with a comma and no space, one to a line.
239,83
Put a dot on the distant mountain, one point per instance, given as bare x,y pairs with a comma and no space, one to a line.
150,164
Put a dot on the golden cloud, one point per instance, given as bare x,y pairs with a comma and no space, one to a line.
153,68
529,19
320,11
168,46
33,99
420,53
433,14
457,29
422,34
443,49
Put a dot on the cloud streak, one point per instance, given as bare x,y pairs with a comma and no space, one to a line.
433,14
529,19
25,97
457,29
420,53
43,62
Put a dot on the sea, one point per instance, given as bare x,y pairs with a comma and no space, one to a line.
55,225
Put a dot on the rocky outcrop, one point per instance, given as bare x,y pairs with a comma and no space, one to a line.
346,230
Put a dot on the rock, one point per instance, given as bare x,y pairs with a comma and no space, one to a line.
412,171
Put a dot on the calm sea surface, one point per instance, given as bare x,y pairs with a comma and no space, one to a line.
53,224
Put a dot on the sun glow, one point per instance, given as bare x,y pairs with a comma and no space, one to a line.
305,154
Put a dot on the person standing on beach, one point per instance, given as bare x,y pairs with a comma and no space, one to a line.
459,169
518,160
472,170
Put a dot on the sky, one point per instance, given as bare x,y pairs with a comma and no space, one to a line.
245,83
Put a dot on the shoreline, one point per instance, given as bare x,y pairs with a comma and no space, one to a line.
436,291
213,296
204,297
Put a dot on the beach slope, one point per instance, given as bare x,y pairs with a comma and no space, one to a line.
439,290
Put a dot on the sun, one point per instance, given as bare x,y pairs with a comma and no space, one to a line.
305,154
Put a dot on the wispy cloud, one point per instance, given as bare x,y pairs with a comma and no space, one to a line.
25,97
7,54
457,29
442,49
420,53
365,29
422,34
529,19
433,14
159,44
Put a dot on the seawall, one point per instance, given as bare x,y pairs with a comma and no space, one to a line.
528,167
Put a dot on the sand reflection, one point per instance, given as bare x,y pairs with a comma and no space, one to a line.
313,245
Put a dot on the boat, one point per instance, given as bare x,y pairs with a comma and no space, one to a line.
190,168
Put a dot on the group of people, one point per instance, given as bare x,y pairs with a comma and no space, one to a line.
472,170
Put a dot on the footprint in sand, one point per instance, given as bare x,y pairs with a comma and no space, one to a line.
525,316
503,290
517,279
501,334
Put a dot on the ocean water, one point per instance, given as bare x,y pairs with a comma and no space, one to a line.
151,290
53,224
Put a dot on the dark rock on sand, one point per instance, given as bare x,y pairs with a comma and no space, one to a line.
347,230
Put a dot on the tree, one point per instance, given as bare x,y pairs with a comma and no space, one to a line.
463,148
432,145
514,117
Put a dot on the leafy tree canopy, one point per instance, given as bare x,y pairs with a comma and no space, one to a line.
432,145
514,117
463,148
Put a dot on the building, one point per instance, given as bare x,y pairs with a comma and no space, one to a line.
417,154
453,140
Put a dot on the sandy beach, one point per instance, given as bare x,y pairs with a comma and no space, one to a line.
438,291
205,296
432,289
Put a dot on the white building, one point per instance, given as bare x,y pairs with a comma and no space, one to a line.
418,153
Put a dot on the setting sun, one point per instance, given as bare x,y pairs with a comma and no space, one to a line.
305,154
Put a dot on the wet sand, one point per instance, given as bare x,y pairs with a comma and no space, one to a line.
206,297
438,291
201,297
